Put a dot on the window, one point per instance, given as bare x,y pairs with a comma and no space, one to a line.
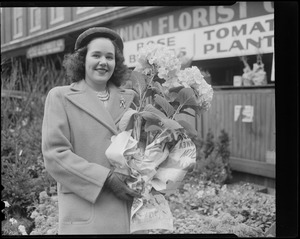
17,22
56,14
83,9
35,18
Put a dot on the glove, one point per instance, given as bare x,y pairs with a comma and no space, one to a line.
116,182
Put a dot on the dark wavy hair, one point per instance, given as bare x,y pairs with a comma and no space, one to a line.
74,65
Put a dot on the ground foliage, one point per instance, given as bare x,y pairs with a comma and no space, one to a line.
23,175
205,207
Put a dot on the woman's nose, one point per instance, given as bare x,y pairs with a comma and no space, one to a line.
102,61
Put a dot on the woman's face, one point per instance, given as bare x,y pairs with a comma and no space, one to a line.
99,63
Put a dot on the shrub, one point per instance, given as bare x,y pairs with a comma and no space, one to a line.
213,158
45,215
22,168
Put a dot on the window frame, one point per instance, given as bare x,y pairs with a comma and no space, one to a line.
60,18
32,15
80,10
17,15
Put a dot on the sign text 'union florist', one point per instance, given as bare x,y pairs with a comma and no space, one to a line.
207,32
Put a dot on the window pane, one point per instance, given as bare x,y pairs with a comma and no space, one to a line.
17,20
57,14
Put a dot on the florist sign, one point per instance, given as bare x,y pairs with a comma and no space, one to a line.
205,32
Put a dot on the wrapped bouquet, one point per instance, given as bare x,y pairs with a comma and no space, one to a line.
154,146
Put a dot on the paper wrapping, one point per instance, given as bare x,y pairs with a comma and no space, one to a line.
158,168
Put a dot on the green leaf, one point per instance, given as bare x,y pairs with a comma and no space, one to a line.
176,89
182,111
150,109
127,119
186,96
138,82
191,131
164,104
171,124
152,127
158,88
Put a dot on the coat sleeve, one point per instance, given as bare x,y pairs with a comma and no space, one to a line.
73,172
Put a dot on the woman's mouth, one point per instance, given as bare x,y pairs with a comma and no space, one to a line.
101,70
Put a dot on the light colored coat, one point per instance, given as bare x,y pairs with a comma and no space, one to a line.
76,132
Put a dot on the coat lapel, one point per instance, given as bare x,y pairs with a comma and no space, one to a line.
120,101
84,98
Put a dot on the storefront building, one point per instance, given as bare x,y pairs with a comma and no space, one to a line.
214,38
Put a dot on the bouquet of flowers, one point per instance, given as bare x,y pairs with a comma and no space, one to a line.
154,147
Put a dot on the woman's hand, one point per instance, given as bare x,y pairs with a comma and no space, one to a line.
116,182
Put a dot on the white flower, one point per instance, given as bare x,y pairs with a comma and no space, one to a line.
200,194
22,229
156,58
192,77
6,204
13,221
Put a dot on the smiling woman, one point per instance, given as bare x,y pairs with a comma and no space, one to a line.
77,130
99,63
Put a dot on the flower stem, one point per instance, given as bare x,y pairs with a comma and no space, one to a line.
144,95
177,111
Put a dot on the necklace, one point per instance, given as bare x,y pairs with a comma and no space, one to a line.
103,96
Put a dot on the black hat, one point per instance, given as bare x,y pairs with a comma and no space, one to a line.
85,37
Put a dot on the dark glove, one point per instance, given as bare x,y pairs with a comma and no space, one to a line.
116,182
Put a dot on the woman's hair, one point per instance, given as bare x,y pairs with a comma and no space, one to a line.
74,65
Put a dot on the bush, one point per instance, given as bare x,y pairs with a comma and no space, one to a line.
23,175
22,170
45,215
213,158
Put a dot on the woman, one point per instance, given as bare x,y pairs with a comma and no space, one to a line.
79,121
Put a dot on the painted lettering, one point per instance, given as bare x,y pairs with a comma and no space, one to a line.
239,45
219,48
271,24
227,12
223,32
147,29
199,17
208,47
208,34
162,24
268,7
172,28
236,45
243,9
137,31
236,31
269,40
185,21
254,43
132,58
169,41
257,26
212,15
